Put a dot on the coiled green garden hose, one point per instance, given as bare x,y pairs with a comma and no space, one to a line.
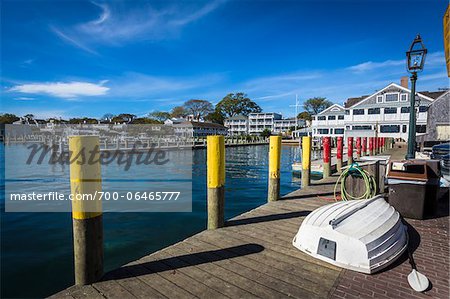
355,170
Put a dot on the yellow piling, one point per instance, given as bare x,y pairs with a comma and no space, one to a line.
274,168
85,183
306,161
216,180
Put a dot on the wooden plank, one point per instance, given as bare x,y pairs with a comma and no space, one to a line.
275,270
261,277
150,277
278,253
238,285
112,289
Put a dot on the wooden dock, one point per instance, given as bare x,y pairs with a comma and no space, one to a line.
253,257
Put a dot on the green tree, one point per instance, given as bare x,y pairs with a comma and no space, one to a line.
178,111
238,103
215,117
316,105
160,116
198,108
266,133
304,115
8,118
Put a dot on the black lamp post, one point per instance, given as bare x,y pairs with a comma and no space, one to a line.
416,59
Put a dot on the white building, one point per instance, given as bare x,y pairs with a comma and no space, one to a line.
237,125
258,122
330,122
285,125
197,129
385,113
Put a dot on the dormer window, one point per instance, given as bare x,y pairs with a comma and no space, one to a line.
380,99
404,97
391,97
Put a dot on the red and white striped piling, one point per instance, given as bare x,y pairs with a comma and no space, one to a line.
358,147
371,145
326,157
340,148
350,150
380,147
375,145
364,146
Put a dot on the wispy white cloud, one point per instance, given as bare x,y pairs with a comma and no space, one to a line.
24,99
432,60
116,25
27,63
64,90
370,65
138,85
72,41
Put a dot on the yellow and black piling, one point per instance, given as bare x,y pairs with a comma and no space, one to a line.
85,183
306,161
274,168
216,180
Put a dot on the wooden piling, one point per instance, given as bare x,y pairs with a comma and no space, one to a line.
306,161
326,157
274,168
339,153
350,150
85,183
216,180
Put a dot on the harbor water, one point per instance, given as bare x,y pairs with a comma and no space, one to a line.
37,250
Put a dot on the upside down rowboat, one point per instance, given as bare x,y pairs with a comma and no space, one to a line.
360,235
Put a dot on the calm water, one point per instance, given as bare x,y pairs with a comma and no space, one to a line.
36,248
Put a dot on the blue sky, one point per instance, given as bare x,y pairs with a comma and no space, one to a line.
70,58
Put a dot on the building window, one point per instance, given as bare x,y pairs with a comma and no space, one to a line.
421,129
358,112
321,118
380,99
331,117
423,108
390,110
347,112
374,111
391,97
338,131
404,97
362,128
340,117
404,129
331,131
323,131
405,110
389,128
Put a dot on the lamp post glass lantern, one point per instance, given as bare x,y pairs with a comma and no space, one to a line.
415,62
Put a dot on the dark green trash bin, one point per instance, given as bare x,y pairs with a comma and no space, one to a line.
413,187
